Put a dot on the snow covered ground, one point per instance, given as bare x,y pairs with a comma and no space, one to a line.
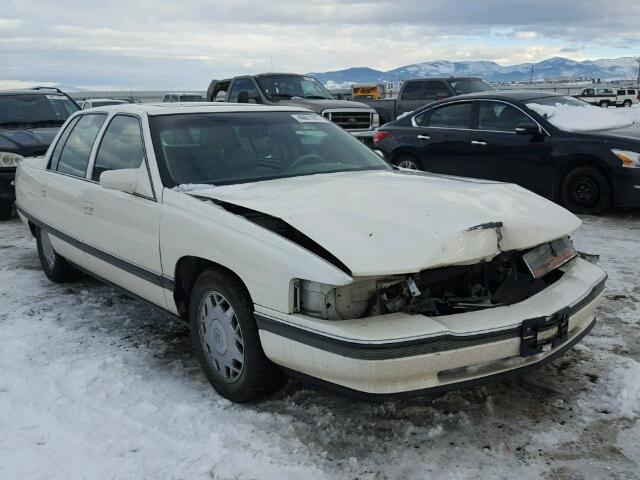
99,386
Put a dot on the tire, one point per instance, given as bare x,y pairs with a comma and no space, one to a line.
626,103
604,103
55,267
226,339
6,209
586,190
406,160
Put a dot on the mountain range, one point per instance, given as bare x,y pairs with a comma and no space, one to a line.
604,69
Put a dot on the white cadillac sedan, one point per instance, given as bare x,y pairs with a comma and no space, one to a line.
290,247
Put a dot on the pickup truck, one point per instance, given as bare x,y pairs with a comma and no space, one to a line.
422,91
289,89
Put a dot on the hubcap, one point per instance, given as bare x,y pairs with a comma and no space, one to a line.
47,250
408,164
221,336
585,191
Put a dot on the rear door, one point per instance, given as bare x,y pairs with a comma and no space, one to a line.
64,185
500,153
442,136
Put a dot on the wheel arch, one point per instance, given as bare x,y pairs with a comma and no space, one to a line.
187,270
403,151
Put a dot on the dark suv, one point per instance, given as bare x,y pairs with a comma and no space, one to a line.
29,120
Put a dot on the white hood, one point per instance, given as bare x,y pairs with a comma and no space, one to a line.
386,222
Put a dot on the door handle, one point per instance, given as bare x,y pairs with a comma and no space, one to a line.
87,207
424,137
478,142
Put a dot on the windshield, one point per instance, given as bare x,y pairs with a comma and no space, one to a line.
289,86
29,110
470,85
573,115
228,148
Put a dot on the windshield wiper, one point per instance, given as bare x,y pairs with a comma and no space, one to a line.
316,97
37,123
281,95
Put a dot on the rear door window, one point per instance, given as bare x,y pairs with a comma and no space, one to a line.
436,89
413,91
456,115
244,85
74,156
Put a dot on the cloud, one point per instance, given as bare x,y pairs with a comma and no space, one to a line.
162,44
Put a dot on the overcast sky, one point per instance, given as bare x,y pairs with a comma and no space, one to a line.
183,44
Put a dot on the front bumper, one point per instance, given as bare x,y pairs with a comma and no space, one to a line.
7,191
400,355
626,188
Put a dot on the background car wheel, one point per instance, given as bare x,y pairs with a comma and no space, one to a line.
626,103
225,338
408,161
55,267
6,209
604,103
586,190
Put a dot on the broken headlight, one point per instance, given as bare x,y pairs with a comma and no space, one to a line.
9,160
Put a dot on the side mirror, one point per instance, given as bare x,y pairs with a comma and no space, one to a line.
527,129
128,180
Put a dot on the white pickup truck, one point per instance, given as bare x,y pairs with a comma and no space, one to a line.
608,97
289,246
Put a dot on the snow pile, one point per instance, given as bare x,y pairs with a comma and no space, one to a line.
572,118
621,393
191,187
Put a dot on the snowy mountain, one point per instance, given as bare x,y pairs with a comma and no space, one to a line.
605,69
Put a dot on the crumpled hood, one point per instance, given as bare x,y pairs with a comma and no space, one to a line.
27,142
318,105
387,222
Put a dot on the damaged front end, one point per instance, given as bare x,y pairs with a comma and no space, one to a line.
508,278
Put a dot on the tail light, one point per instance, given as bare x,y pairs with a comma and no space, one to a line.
378,135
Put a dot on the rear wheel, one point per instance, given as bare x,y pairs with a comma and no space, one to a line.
409,161
6,209
604,103
626,103
586,190
55,267
225,338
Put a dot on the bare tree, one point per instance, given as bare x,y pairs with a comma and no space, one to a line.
637,59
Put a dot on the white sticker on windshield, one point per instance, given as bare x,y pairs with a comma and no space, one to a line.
309,118
56,97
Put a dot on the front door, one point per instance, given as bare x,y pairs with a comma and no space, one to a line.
124,227
502,154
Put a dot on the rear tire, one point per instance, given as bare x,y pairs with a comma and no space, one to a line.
6,209
586,190
225,337
626,103
604,103
55,267
406,160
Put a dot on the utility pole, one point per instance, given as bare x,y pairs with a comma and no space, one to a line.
531,74
637,59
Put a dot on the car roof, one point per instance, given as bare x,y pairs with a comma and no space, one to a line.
30,92
513,95
192,107
103,100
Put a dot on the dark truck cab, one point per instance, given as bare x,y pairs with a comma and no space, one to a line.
29,121
357,118
419,92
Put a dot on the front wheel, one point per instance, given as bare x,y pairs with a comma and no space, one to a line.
55,267
586,190
6,209
408,161
225,338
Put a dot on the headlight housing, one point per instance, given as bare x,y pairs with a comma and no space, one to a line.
628,158
9,160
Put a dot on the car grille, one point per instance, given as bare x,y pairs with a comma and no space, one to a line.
350,120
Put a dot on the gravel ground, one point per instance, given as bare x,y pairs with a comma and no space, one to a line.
96,385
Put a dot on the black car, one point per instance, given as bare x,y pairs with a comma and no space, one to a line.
29,121
510,137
